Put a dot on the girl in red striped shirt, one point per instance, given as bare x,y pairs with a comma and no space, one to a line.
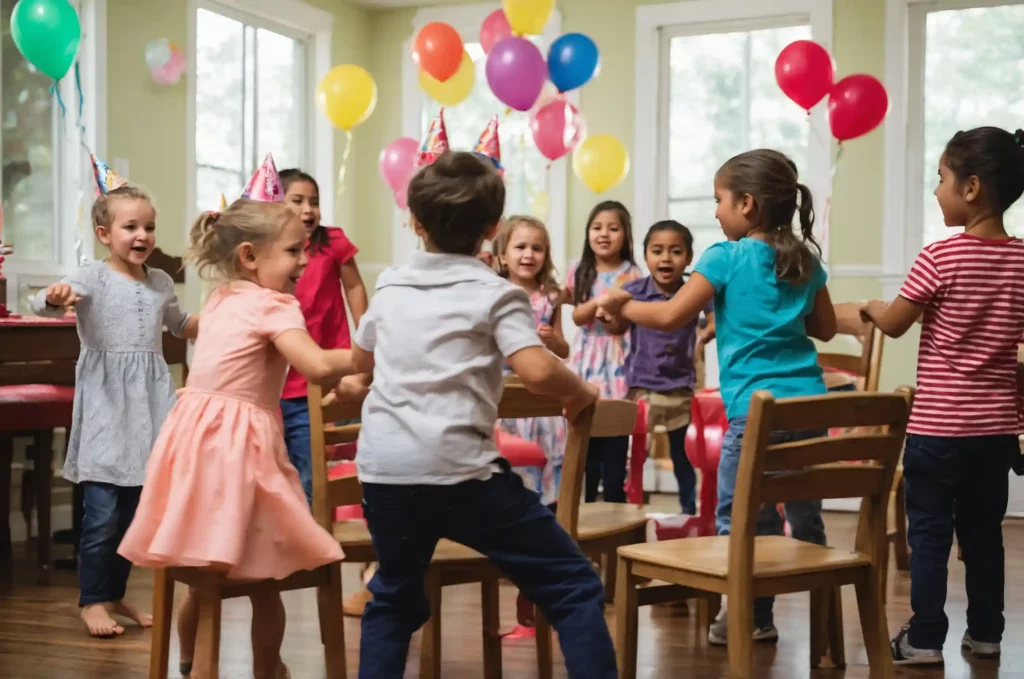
962,436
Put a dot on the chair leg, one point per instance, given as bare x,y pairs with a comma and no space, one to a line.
207,659
626,613
900,547
819,643
329,601
490,627
6,457
545,657
836,645
741,638
430,644
611,573
163,608
707,610
43,462
873,626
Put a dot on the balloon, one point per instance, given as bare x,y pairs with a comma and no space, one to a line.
857,105
516,72
398,162
402,199
572,61
805,71
557,129
170,73
47,32
347,95
454,90
438,50
601,162
494,29
528,17
158,53
548,93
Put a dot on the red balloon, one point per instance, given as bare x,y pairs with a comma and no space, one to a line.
857,105
804,71
494,29
557,129
438,50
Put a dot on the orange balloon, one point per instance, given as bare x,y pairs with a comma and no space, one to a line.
438,50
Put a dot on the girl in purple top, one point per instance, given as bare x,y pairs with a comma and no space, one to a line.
660,365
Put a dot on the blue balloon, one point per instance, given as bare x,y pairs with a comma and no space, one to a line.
572,61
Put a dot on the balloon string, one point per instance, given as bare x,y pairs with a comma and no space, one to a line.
344,164
828,201
814,130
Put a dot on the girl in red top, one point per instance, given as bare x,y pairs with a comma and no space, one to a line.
331,257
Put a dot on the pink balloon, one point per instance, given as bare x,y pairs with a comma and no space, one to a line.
398,162
494,29
557,129
516,72
548,94
402,199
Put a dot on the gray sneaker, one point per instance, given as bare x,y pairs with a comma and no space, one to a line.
905,654
981,649
718,633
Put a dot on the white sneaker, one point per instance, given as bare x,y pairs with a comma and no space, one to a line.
981,649
905,654
718,633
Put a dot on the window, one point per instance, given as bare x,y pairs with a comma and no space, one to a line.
251,99
722,99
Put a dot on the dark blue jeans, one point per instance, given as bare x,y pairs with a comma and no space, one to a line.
686,478
295,412
102,572
606,461
956,484
499,518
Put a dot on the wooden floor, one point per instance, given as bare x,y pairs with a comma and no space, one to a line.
42,638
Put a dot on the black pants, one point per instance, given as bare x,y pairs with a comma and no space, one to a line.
606,461
956,484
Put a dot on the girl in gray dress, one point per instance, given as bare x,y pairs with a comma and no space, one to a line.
123,390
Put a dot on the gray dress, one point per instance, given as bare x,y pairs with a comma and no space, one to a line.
123,390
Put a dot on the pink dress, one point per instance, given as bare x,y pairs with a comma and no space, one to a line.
219,489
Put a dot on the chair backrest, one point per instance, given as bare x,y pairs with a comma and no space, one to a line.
813,468
867,367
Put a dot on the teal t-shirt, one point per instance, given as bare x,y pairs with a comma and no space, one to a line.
759,323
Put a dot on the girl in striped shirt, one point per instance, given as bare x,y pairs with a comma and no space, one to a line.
963,428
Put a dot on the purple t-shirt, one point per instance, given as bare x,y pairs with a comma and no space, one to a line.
657,360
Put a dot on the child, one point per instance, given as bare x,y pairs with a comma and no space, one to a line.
770,297
331,256
220,491
599,349
962,434
435,337
660,365
121,307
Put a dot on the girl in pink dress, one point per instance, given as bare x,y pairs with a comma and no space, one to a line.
220,492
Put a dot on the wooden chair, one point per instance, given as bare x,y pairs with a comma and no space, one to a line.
745,567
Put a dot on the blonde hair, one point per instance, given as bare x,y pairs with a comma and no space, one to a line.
546,276
103,208
215,236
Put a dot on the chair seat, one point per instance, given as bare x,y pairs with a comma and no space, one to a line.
774,556
354,538
28,407
601,519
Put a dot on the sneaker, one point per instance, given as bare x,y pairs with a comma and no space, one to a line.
905,654
718,633
982,649
767,633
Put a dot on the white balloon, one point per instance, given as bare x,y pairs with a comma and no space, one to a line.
158,53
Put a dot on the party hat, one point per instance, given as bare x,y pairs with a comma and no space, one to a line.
488,146
435,143
265,184
106,179
223,203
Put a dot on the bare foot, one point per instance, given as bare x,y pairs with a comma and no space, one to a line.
129,611
98,620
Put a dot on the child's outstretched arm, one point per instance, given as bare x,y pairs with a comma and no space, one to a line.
355,290
669,316
323,366
821,322
893,319
55,299
544,374
552,335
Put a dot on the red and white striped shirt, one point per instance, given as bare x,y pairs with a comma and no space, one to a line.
973,292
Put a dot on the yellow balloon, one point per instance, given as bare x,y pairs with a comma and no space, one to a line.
347,95
601,162
454,90
528,17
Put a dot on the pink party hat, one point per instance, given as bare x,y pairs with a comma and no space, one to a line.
488,146
435,143
106,179
265,184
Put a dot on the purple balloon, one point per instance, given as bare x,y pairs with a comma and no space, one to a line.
516,72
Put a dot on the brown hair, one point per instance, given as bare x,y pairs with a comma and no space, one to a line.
770,179
546,276
457,199
586,272
103,208
215,236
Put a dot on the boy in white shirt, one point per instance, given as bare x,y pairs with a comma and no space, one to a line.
435,337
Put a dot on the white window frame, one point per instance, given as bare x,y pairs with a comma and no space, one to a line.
466,19
903,232
73,183
695,17
313,25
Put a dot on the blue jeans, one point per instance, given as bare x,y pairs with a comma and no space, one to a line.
295,412
102,572
606,461
804,516
501,519
686,478
956,484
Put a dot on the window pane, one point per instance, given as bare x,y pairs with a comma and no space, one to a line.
28,157
278,81
974,62
219,91
211,182
699,217
775,121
